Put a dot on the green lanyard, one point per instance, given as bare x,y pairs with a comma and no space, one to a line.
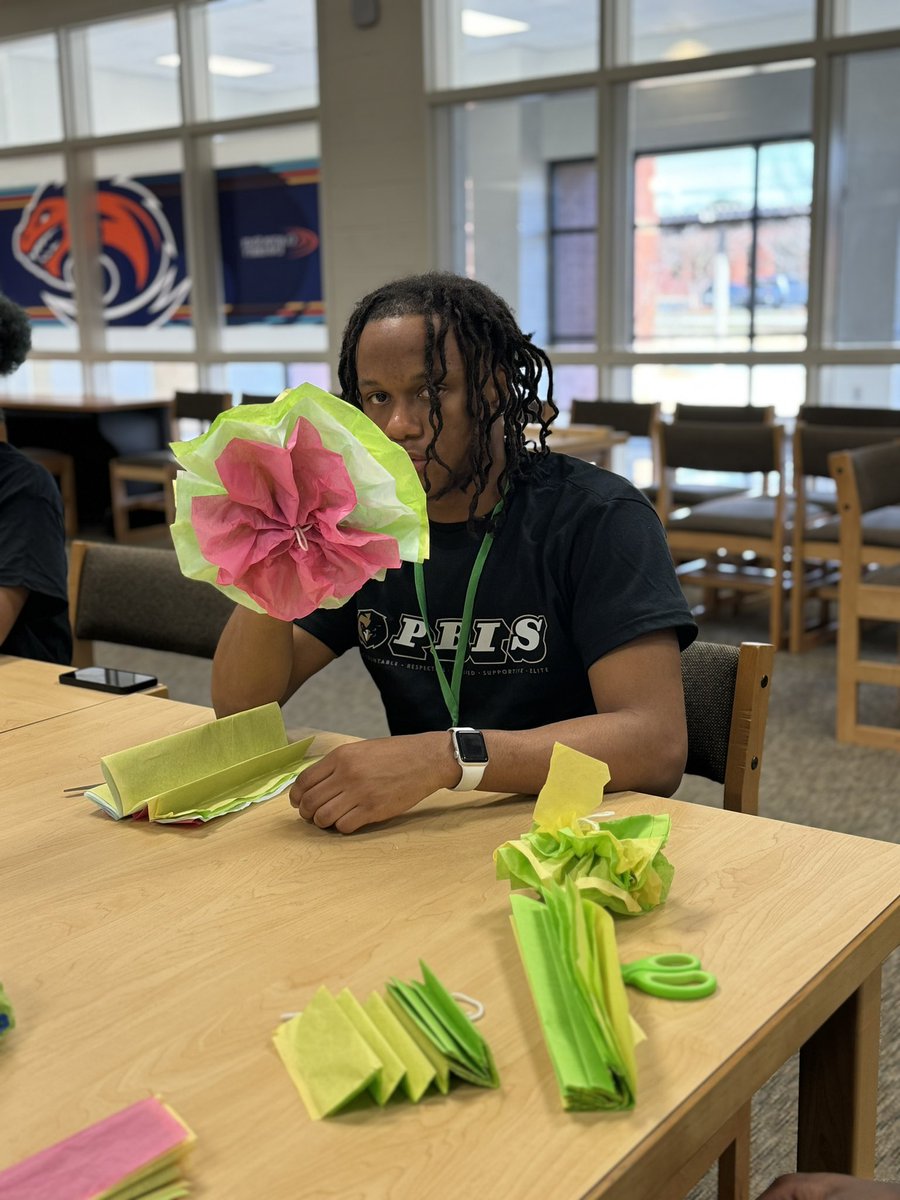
450,690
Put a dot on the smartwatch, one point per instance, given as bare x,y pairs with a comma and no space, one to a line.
470,752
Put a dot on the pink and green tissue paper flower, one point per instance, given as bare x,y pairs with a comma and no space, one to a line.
292,506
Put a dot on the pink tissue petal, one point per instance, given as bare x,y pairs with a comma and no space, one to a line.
276,534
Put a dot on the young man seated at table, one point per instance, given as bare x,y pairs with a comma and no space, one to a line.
34,615
578,619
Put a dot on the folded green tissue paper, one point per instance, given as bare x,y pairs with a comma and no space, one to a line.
618,864
568,948
202,773
415,1037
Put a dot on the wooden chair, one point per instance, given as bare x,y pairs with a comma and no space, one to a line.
733,545
726,700
156,467
250,398
743,414
642,420
868,479
828,414
137,596
815,537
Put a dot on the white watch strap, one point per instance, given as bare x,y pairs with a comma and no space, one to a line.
470,778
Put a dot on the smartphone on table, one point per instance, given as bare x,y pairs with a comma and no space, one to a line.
108,679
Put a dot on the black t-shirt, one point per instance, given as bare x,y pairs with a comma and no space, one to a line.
579,567
33,556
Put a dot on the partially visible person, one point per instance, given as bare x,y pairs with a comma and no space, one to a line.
34,617
829,1187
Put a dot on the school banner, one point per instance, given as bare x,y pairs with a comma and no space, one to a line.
269,248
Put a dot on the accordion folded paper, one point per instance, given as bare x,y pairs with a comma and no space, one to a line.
136,1154
292,506
568,948
202,773
417,1036
618,864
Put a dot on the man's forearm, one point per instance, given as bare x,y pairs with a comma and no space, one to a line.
252,664
641,755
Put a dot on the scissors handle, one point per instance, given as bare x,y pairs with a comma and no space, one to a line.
670,976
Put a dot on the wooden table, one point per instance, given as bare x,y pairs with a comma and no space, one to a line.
593,443
147,959
93,429
30,691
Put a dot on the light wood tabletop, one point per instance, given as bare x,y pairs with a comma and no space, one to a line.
30,691
148,959
593,443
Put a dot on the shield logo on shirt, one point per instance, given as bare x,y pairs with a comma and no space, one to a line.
372,628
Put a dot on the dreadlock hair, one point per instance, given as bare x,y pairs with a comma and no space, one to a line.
503,368
15,336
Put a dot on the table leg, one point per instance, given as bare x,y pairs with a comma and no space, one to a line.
839,1087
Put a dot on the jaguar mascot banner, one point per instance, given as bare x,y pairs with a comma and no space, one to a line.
268,218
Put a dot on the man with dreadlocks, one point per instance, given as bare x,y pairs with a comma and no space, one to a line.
548,610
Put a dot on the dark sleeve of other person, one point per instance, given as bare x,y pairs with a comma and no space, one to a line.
33,556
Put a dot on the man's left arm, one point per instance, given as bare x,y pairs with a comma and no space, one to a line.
12,601
638,730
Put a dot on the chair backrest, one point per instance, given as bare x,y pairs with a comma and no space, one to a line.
866,478
743,414
833,414
813,444
250,398
721,446
726,697
628,416
136,596
200,406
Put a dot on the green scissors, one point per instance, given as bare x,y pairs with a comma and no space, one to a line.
670,976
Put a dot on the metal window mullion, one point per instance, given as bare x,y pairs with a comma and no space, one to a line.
81,208
819,294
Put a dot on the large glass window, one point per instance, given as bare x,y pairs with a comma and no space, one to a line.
267,185
721,246
862,16
505,212
865,386
260,56
145,284
573,249
30,110
36,268
475,43
720,191
132,74
648,30
865,202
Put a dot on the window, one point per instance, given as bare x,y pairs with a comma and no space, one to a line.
475,43
721,246
132,74
573,250
35,248
267,186
504,209
649,30
260,56
145,285
29,84
865,202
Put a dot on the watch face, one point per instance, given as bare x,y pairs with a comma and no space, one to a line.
471,746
